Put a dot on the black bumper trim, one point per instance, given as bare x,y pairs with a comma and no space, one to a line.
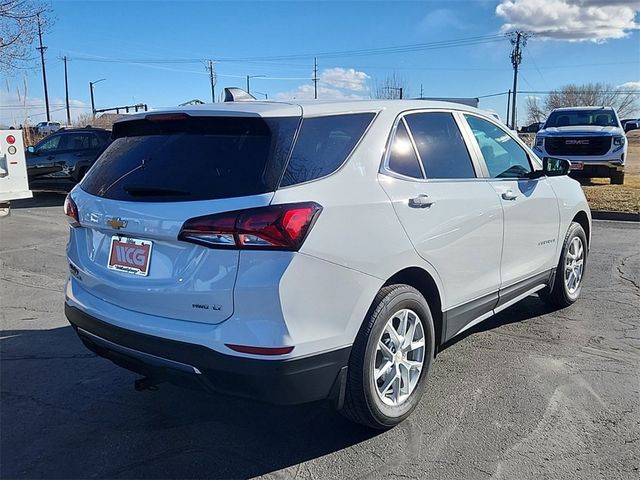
285,382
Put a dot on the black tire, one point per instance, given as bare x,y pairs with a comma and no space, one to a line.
561,295
362,403
617,178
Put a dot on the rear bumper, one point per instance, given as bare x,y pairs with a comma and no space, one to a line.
284,382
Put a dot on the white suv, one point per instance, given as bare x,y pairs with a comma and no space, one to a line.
303,252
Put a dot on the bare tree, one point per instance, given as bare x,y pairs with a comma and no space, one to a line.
19,30
624,100
535,112
392,87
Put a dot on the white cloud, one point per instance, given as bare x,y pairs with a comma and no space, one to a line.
333,83
442,19
630,86
15,109
347,78
575,20
306,92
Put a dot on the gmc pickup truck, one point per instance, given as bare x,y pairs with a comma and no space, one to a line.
591,138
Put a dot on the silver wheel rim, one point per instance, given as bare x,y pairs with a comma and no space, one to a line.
399,357
574,265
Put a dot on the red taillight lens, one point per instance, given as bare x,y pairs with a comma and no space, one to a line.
11,139
279,227
71,211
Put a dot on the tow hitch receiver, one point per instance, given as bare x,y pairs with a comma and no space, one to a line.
146,383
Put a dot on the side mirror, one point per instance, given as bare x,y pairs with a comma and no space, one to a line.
555,167
31,149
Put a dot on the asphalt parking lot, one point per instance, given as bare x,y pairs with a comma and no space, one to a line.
528,394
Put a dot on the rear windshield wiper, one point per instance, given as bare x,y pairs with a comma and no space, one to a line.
142,191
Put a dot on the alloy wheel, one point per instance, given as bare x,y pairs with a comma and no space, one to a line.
399,357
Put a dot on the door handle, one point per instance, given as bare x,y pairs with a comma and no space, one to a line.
421,201
509,195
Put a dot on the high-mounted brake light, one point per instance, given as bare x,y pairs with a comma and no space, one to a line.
11,139
166,117
276,227
71,211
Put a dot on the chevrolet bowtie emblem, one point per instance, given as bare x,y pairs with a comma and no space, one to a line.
116,223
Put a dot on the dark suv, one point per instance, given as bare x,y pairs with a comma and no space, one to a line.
59,161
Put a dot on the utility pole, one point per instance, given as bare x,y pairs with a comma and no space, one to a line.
315,78
66,90
421,91
212,79
518,40
508,105
44,71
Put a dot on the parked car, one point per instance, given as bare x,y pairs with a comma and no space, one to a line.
46,128
302,252
629,124
59,161
591,138
532,128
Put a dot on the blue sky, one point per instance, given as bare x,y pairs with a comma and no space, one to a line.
579,41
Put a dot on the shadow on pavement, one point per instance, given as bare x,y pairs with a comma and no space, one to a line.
528,308
41,199
69,414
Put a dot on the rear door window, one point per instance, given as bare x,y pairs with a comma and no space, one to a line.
323,145
80,141
188,158
440,145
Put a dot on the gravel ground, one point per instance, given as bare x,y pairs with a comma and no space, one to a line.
528,394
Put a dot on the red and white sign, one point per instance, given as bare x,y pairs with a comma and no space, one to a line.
129,255
577,166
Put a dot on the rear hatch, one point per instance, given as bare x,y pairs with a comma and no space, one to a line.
159,172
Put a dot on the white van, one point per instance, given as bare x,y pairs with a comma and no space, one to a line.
13,169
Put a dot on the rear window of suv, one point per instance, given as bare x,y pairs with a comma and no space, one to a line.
207,158
192,158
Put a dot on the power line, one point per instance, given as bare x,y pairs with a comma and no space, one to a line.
329,54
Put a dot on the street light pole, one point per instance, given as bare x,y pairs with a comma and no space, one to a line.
250,77
93,105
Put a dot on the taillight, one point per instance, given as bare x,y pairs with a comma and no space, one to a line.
71,211
276,227
11,139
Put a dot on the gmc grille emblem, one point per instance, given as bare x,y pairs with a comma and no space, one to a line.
576,142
